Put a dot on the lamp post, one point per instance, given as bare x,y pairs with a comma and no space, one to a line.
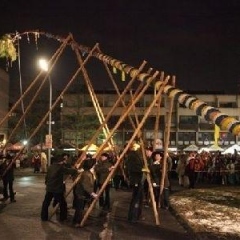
44,66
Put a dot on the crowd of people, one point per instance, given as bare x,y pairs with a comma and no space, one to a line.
92,174
208,167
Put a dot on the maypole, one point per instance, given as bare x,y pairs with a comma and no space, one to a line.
225,122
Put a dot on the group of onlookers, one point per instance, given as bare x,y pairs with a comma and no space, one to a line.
39,162
212,168
133,172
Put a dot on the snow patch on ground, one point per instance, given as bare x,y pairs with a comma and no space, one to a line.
210,211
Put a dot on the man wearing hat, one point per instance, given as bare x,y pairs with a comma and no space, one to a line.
102,170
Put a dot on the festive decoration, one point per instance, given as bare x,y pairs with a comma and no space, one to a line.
7,49
123,76
114,70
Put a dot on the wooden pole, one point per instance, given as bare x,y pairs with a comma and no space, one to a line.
156,127
125,150
79,161
201,108
112,110
126,112
94,99
166,141
44,118
124,105
147,173
54,60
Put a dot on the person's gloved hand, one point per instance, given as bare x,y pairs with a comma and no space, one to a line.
111,168
145,170
94,195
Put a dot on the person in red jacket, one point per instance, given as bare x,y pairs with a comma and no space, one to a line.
190,169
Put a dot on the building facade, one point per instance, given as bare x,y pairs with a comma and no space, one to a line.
4,105
186,127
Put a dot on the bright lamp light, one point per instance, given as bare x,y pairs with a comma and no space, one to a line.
43,64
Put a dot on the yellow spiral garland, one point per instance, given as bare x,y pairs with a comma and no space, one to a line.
225,122
236,130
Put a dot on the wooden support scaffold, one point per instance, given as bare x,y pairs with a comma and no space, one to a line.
161,86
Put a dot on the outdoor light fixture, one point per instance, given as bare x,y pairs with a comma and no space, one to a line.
43,64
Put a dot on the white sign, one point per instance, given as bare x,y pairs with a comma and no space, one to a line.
48,141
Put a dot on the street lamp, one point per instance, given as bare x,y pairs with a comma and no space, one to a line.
43,64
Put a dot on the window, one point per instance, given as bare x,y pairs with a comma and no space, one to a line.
188,122
89,104
205,138
69,103
172,139
226,138
228,104
186,138
188,119
150,122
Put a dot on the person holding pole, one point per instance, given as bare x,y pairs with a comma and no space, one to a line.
55,187
83,192
102,169
156,174
134,165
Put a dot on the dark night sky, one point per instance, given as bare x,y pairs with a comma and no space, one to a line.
198,41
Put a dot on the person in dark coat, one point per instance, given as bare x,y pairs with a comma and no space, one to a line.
55,187
134,166
7,171
156,174
118,178
102,170
83,192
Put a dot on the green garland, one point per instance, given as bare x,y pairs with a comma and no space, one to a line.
7,48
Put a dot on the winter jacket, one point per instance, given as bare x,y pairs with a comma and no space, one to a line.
102,170
156,174
54,179
85,185
134,166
